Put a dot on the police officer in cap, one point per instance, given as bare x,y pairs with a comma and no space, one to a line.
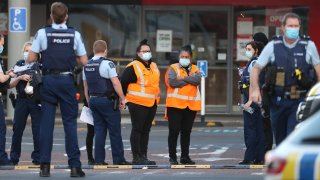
27,102
102,88
61,48
295,64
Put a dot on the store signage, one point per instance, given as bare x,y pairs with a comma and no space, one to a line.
164,41
244,26
274,16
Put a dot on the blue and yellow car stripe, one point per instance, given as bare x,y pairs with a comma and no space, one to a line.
306,166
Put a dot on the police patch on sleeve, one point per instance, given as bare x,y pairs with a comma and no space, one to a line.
111,65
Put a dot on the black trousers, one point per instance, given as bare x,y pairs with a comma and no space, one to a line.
141,119
180,121
89,141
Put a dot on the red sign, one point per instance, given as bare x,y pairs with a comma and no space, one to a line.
274,16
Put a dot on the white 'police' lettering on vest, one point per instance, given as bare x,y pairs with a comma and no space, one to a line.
90,69
61,41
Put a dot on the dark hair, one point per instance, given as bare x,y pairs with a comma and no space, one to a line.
186,48
143,43
256,45
290,15
59,12
260,37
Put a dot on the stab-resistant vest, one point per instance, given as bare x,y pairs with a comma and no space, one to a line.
290,59
60,54
186,96
146,90
96,83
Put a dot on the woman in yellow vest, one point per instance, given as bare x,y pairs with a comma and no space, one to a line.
140,83
182,103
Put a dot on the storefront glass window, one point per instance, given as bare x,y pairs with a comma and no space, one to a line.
117,24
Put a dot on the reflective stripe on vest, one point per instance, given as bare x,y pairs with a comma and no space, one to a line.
193,102
146,90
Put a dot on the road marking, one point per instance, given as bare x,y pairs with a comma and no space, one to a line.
222,130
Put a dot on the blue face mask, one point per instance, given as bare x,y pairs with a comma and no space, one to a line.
25,55
249,54
146,56
292,33
1,49
184,62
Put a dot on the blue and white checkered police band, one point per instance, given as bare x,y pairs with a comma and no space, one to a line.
290,59
96,83
59,54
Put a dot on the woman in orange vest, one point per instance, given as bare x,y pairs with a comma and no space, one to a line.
182,103
140,83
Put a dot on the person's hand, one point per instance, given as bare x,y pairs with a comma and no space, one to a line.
122,104
24,77
11,73
255,96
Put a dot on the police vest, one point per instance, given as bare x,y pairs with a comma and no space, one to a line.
186,96
290,59
146,90
60,54
96,83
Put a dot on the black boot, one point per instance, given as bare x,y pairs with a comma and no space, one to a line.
44,170
137,160
147,161
186,160
76,172
173,161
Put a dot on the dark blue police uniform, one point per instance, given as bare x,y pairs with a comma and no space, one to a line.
253,124
284,106
105,116
3,155
58,60
25,105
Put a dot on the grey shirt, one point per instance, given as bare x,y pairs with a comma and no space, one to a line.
175,83
267,54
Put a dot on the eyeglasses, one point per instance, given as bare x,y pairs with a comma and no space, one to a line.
145,51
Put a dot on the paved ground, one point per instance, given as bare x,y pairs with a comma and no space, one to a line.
209,146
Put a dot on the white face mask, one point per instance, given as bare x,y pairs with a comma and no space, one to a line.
184,62
1,49
25,55
249,54
146,56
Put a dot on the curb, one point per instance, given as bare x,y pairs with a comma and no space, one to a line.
106,167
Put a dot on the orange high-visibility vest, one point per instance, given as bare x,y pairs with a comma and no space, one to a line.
146,90
186,96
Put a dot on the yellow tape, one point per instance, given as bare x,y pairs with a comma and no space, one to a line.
289,171
190,166
317,168
23,167
112,167
257,166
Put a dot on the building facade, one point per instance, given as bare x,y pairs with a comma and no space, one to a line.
216,29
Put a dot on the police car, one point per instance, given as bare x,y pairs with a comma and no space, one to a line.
310,105
298,156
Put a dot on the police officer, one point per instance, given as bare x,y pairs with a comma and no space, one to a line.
61,48
101,87
3,79
140,82
27,102
293,59
182,103
253,121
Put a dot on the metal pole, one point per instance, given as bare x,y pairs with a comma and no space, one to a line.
16,41
203,97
